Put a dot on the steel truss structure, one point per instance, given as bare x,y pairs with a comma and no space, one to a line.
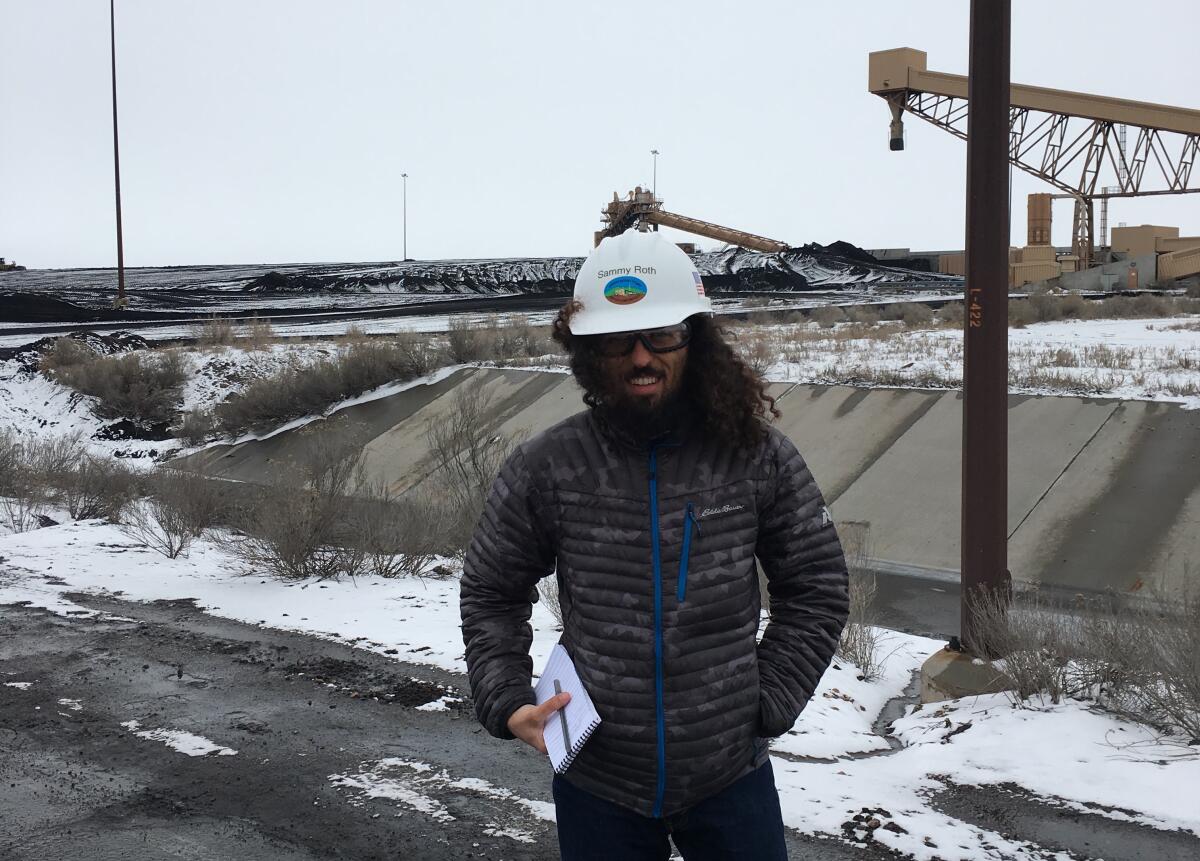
1066,139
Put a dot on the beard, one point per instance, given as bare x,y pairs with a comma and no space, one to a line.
641,417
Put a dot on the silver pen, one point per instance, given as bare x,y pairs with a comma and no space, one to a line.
562,716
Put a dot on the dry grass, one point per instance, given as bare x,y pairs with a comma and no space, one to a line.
215,332
358,366
467,454
500,339
859,641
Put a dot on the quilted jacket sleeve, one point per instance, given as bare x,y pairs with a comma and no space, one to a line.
802,558
509,553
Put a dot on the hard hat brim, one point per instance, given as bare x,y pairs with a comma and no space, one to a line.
602,321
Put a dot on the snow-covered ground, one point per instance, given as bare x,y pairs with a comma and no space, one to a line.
1130,359
829,767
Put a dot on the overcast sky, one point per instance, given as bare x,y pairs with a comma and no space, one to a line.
277,130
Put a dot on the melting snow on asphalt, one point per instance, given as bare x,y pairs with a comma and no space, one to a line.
417,785
186,743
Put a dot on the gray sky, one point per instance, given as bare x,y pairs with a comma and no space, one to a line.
277,130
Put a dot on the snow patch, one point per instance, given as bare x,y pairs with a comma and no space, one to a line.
186,743
416,785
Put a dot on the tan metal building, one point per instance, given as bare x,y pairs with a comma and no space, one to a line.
1142,239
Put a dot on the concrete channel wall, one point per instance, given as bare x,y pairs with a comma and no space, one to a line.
1103,494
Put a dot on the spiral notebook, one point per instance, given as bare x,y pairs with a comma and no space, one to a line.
570,727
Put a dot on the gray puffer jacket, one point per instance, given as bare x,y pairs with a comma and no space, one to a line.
654,549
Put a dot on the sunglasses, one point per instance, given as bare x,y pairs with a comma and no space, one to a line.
663,340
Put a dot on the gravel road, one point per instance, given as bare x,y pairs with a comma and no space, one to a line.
297,710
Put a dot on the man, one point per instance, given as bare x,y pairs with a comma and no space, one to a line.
652,506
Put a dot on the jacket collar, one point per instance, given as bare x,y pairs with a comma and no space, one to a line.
625,436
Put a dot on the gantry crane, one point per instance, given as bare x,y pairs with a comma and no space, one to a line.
1067,139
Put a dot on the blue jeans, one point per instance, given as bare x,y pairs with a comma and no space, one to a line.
742,821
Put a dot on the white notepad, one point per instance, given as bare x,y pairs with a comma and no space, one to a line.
579,717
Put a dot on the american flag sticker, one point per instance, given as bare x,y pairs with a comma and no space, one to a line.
699,283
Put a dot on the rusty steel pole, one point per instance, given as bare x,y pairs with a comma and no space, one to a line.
121,301
985,370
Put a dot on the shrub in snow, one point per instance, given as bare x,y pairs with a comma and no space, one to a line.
98,487
302,390
859,641
66,353
31,472
756,349
863,314
297,528
195,427
467,455
1138,657
951,313
548,592
144,387
911,313
399,536
1021,313
159,525
216,332
828,316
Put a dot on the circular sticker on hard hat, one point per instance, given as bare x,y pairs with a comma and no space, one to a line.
625,290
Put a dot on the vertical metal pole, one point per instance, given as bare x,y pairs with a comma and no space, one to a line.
121,301
404,195
654,181
985,371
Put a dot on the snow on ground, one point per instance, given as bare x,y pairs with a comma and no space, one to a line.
840,720
33,405
189,744
1067,754
828,767
414,785
1130,359
418,618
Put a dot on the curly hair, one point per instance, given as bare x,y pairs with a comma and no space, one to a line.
730,399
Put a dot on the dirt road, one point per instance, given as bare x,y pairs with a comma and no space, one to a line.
317,727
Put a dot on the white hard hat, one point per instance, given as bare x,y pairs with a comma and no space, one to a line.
636,281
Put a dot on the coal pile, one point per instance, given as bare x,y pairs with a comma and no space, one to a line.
29,356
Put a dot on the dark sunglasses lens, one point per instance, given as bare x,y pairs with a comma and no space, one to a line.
658,340
617,345
670,338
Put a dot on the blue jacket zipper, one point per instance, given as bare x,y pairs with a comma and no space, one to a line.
689,522
658,636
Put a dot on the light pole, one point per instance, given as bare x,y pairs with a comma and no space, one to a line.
404,198
654,181
121,301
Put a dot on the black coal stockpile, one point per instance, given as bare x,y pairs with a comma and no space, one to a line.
29,356
20,307
839,264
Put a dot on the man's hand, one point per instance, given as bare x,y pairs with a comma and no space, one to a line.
527,722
